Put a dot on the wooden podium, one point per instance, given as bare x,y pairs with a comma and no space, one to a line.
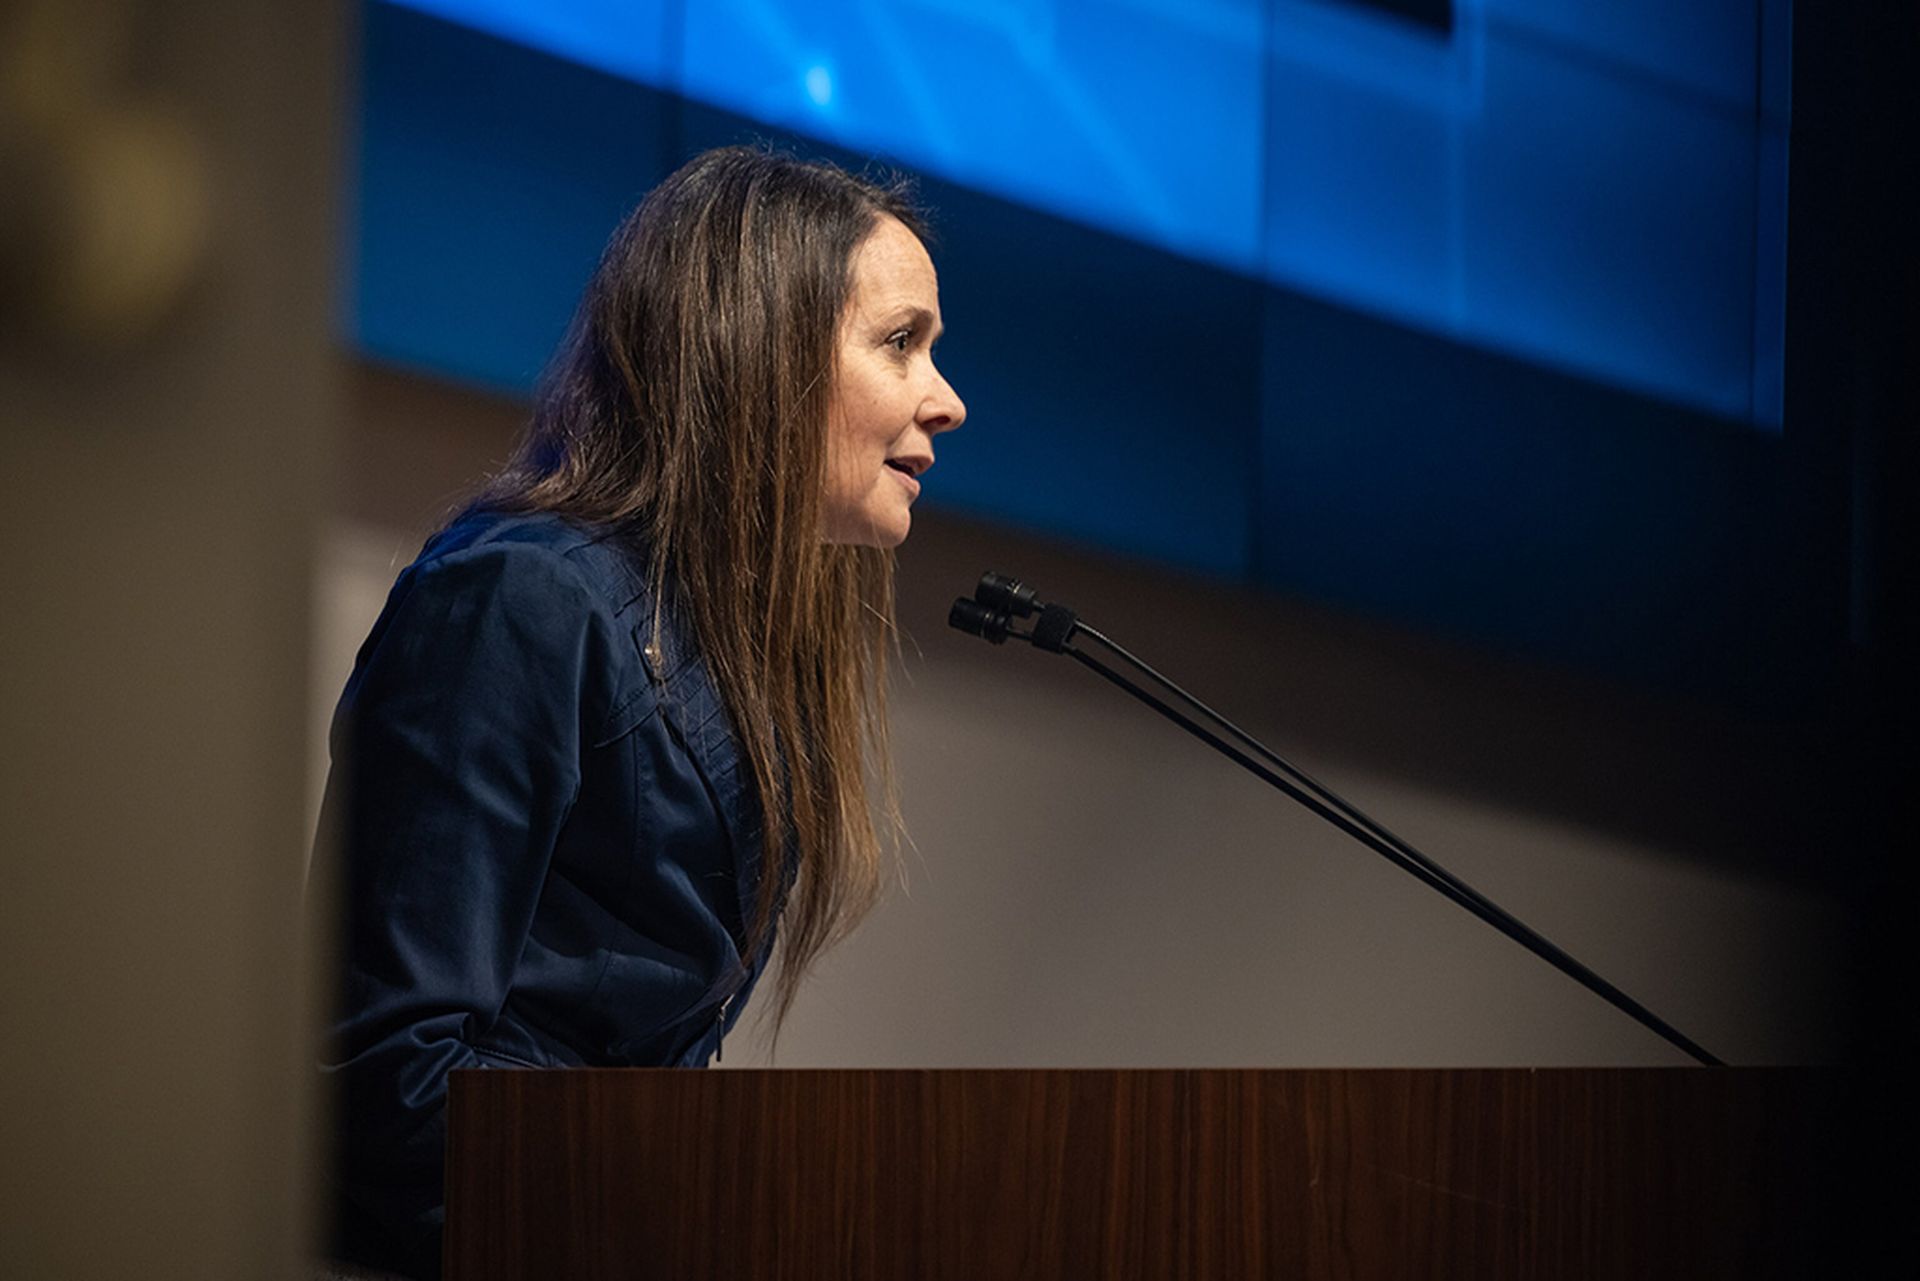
822,1175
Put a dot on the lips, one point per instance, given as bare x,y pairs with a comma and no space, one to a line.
904,469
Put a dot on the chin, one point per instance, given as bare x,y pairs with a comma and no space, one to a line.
889,534
871,531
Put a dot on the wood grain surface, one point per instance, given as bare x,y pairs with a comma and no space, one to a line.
1136,1174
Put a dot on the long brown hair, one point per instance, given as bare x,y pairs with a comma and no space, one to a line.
687,408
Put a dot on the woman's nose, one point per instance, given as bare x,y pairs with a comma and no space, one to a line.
943,410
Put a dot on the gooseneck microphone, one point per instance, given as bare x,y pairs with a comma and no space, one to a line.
1000,603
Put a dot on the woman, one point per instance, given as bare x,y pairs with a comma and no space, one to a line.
619,718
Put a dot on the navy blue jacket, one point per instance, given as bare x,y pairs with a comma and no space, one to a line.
548,845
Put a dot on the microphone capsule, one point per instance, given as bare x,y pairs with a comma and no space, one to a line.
1006,594
975,619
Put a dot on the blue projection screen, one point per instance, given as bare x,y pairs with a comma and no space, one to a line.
1600,189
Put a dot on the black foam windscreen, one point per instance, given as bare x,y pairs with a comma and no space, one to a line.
1055,628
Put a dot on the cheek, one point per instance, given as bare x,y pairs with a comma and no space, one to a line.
852,457
865,429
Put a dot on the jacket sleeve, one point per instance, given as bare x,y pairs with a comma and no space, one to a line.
456,761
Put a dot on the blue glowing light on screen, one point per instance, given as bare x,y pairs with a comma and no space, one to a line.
1598,188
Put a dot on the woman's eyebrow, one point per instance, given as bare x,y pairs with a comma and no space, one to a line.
918,317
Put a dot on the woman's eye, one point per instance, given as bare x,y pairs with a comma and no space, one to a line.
898,341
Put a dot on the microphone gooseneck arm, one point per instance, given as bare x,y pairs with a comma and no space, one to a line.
999,600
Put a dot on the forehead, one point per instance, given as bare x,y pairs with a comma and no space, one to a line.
891,268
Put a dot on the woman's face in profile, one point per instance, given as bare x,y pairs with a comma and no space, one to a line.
888,401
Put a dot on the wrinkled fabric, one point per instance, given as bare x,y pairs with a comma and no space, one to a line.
546,847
